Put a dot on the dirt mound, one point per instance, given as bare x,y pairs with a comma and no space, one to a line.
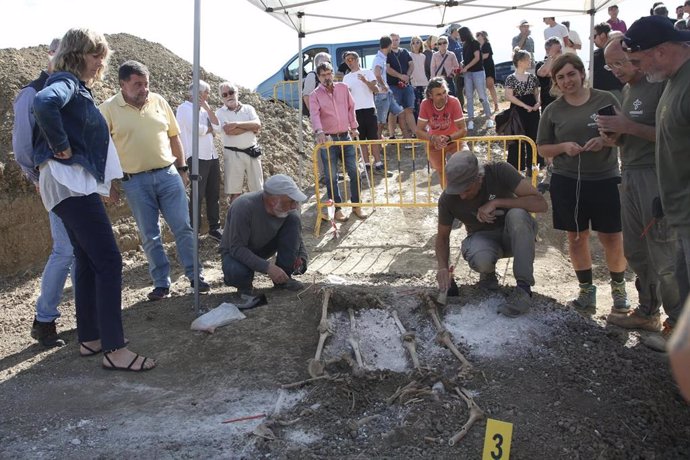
23,220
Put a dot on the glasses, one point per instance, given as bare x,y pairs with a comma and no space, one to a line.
441,43
229,93
615,65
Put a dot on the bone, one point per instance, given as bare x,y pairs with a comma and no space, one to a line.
352,339
354,425
316,367
409,340
444,338
431,309
476,414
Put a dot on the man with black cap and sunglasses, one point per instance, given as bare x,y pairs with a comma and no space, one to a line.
663,53
493,201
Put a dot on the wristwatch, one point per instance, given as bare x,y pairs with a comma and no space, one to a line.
184,168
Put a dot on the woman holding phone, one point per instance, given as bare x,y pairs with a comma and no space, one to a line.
584,184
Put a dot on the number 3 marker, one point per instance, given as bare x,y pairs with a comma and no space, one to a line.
497,440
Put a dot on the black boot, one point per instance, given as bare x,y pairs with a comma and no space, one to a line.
46,334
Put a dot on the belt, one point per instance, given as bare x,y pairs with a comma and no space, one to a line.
338,134
128,176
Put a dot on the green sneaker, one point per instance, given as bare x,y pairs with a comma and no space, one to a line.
586,299
620,297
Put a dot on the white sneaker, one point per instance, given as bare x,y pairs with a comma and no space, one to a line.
470,125
490,123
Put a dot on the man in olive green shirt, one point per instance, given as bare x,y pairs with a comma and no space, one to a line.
662,53
648,243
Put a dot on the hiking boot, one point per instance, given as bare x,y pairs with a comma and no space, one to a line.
359,213
203,285
215,234
488,281
290,285
586,299
543,187
517,303
657,342
636,320
620,297
159,293
46,334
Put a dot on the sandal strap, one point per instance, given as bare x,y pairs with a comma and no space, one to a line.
134,361
107,358
89,349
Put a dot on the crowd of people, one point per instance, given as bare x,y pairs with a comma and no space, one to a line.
627,132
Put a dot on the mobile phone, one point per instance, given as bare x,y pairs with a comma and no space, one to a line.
607,111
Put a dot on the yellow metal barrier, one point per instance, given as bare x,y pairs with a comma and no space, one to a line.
287,91
409,163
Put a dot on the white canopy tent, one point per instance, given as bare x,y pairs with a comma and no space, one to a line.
307,17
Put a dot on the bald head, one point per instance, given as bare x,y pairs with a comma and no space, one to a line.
618,63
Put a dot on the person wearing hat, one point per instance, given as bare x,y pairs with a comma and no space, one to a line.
649,249
523,39
663,53
260,225
493,201
62,254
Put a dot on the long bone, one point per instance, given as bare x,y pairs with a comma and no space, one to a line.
409,340
352,339
431,309
476,414
316,367
443,336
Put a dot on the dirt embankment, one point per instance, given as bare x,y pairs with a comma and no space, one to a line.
24,224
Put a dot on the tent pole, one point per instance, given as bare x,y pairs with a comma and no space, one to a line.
300,125
592,11
194,172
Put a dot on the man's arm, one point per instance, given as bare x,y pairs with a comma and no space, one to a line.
527,198
22,133
442,248
620,124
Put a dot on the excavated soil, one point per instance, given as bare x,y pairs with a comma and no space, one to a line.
572,386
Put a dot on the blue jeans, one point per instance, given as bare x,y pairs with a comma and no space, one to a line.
330,160
97,270
385,103
286,244
55,272
476,81
404,96
161,192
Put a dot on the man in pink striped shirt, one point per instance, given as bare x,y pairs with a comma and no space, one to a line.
332,112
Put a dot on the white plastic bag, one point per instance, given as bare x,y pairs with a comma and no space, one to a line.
223,314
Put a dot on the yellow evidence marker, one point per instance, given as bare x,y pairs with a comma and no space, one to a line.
497,440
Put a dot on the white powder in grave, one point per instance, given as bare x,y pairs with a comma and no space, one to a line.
489,334
298,436
379,340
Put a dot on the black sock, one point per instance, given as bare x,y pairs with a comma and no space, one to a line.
584,276
618,277
525,287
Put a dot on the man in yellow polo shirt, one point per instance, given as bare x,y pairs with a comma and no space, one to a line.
146,136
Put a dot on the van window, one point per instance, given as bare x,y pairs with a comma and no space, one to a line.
291,72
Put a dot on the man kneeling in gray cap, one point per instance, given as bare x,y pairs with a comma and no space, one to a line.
262,224
493,201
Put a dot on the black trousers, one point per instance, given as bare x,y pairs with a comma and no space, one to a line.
209,190
530,123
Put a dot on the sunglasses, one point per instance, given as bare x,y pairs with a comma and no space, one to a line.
615,66
229,93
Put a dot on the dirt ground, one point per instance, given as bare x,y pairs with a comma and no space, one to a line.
572,387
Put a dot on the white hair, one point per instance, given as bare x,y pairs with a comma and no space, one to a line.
203,86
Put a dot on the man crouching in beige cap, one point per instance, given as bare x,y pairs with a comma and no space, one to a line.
493,201
262,224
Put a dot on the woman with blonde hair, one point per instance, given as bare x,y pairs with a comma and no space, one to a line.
77,164
418,78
